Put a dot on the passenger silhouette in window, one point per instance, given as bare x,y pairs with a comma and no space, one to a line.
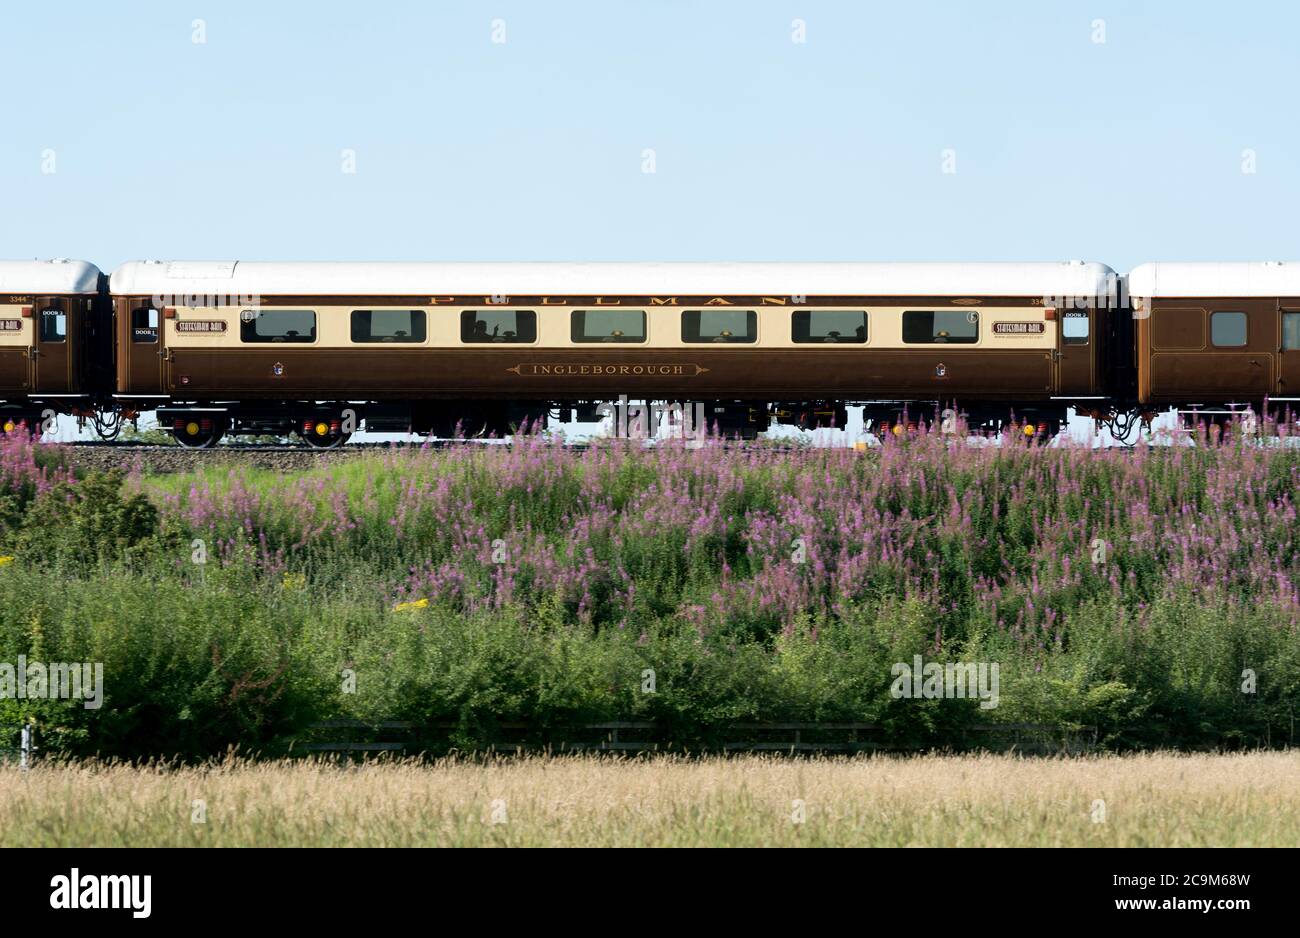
480,333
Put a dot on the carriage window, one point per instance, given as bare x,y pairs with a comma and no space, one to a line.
388,325
498,325
144,324
608,325
720,325
1075,329
1290,331
54,325
941,326
830,325
1228,329
277,325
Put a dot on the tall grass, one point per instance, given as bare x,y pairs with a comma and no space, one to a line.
936,801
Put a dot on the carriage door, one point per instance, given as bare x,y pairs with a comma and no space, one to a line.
1075,348
51,362
1288,357
144,335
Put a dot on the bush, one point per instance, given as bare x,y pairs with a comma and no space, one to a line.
547,587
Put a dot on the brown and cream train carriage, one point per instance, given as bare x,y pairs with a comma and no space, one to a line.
1217,340
55,347
302,347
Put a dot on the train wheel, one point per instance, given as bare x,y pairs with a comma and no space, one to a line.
196,433
323,433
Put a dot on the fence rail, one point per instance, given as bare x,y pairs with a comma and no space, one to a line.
400,736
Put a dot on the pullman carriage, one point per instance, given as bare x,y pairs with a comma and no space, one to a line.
320,349
55,346
1217,339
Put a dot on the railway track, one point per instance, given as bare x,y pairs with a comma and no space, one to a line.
164,457
159,458
231,448
258,447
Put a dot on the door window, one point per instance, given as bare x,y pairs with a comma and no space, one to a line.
54,325
1075,328
144,324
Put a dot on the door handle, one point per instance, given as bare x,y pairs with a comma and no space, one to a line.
33,353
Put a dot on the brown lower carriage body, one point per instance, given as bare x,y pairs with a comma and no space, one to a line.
441,387
506,373
1182,363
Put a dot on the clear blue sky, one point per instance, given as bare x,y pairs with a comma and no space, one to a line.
764,148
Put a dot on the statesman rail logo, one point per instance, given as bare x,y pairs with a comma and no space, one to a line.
77,891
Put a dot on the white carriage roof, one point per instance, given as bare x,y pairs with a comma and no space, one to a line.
1266,278
157,278
48,277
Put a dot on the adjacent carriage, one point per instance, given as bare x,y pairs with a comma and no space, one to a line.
55,346
1217,340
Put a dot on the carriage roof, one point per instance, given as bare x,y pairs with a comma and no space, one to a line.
150,278
48,277
1253,278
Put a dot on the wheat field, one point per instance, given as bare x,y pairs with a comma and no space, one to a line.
984,800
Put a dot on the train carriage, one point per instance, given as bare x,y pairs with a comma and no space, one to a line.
54,342
297,347
1217,338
